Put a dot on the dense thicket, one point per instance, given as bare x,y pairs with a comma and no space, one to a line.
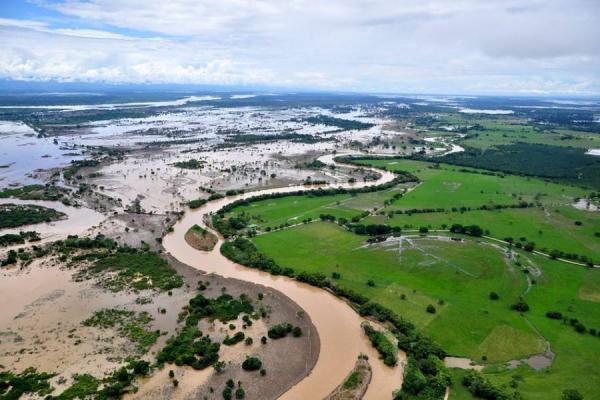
567,163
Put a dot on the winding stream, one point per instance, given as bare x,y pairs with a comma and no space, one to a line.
338,325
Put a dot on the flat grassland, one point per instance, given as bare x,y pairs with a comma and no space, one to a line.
552,224
457,278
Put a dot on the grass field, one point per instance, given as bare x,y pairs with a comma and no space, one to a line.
551,224
456,278
447,275
294,209
509,130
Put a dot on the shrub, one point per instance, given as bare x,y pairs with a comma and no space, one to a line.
430,309
520,306
386,349
571,394
297,331
239,393
554,315
494,296
251,364
279,331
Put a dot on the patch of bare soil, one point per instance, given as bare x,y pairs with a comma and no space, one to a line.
356,383
204,241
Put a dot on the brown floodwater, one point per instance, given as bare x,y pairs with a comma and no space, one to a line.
338,325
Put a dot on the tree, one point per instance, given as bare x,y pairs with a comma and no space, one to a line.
251,364
494,296
520,306
571,394
239,393
430,309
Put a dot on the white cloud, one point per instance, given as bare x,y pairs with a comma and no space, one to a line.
377,45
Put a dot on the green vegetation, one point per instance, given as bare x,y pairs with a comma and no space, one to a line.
235,339
190,346
190,164
10,239
71,172
282,330
13,215
114,386
35,192
453,195
568,164
343,124
353,380
471,285
130,268
481,387
251,364
384,346
134,327
255,138
13,386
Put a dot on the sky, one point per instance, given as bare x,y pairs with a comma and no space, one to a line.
517,47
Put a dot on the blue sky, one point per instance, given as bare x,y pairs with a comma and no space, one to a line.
426,46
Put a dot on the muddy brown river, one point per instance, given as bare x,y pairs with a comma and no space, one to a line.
338,325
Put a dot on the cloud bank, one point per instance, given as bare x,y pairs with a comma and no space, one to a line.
459,46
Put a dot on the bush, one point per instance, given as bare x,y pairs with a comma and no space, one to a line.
430,309
494,296
251,364
240,394
481,387
297,331
386,349
571,394
520,306
279,331
554,315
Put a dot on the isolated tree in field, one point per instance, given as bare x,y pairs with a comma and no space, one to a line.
494,296
571,394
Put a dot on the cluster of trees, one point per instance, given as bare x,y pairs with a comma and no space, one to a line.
13,215
481,387
235,339
382,344
71,171
292,137
485,207
554,254
568,163
343,124
471,230
282,330
574,322
35,192
190,164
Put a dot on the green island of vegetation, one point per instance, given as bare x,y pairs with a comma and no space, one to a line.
14,215
190,164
